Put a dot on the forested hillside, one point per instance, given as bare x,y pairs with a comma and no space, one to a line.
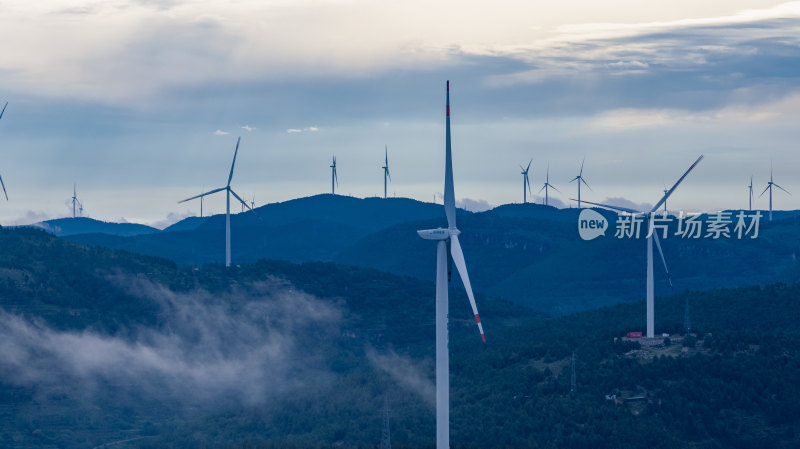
111,347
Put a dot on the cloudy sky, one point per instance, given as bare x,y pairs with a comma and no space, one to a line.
140,102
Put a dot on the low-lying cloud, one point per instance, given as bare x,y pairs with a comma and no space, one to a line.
237,346
406,373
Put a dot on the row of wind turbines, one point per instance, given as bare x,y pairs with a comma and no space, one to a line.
526,187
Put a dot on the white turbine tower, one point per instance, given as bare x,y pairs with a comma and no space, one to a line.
1,178
652,236
526,183
447,238
230,192
580,180
547,186
334,178
386,171
750,188
770,184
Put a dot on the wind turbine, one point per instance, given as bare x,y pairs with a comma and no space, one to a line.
447,239
750,188
1,178
75,201
229,191
547,186
334,178
526,183
665,201
580,180
386,172
253,203
653,236
769,187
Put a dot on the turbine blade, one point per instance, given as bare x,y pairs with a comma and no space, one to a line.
528,182
202,194
529,165
776,185
663,260
584,161
587,185
4,187
235,152
553,187
573,179
4,110
608,206
244,203
388,174
449,191
543,186
765,191
461,266
666,195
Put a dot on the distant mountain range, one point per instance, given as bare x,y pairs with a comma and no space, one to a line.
527,253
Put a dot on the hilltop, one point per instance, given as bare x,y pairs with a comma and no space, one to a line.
84,225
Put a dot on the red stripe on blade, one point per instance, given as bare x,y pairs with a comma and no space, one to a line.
477,318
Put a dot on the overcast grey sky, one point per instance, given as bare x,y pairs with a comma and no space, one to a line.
140,102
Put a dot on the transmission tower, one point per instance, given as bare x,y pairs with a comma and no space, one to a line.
573,388
687,323
386,440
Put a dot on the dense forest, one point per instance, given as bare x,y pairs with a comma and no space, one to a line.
105,347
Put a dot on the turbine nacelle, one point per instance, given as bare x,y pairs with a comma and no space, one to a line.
438,233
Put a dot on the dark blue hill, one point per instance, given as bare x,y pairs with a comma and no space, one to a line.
83,225
314,228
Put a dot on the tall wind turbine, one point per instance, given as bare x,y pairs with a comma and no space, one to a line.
526,183
334,178
75,201
229,192
547,186
580,180
653,236
770,184
665,201
1,178
447,239
750,188
386,171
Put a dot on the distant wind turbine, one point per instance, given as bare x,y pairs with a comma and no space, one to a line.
447,239
253,203
653,236
1,178
547,186
386,171
770,184
526,183
750,188
229,192
580,180
334,178
75,201
665,201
